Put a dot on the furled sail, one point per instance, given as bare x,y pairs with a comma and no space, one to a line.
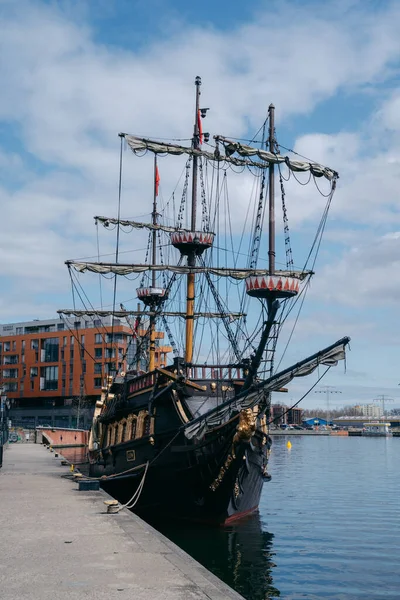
330,356
128,269
121,314
106,221
245,152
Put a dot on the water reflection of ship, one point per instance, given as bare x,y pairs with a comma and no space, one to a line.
241,554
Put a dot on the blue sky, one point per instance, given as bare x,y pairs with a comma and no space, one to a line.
77,72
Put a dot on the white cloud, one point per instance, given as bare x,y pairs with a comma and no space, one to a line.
66,97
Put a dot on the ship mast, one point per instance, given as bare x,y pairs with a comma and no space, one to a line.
271,187
192,255
152,352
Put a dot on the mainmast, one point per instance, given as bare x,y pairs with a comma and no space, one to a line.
271,187
152,352
191,260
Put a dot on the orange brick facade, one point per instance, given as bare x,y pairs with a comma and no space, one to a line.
45,368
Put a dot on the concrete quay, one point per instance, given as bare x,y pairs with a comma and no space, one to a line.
59,543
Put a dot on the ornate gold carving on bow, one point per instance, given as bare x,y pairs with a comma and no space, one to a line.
244,431
246,427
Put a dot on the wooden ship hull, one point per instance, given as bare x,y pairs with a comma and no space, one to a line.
214,479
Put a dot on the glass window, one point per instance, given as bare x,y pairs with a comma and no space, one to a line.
50,378
72,340
51,350
97,382
97,368
60,326
19,330
77,324
98,352
98,338
97,322
64,340
11,386
34,344
82,340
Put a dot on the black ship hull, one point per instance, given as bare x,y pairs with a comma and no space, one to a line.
215,479
179,489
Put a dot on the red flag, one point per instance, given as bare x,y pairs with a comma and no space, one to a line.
199,125
157,180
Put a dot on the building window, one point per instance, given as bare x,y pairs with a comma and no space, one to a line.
33,372
97,368
60,327
84,366
98,338
51,350
71,353
11,386
23,346
110,367
77,324
72,340
6,346
32,385
14,345
11,359
97,323
19,330
82,340
64,340
97,382
98,352
50,378
10,373
34,344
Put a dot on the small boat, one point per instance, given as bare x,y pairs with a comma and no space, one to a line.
376,429
189,439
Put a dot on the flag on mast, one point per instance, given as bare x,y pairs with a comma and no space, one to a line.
200,127
157,180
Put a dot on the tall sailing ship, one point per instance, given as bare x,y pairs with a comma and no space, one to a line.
190,439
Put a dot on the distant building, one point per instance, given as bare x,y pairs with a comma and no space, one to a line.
52,370
278,414
370,410
294,416
314,422
281,414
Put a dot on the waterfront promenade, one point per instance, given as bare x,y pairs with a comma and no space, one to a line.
58,543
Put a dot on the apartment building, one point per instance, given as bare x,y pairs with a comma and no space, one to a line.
370,410
53,370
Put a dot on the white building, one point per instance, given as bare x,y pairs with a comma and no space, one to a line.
373,411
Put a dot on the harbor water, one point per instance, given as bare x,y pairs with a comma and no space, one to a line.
328,525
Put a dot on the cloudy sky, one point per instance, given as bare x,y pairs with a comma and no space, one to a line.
75,73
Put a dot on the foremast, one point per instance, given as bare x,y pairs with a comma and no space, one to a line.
191,259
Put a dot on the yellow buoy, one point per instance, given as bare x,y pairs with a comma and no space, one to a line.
288,445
